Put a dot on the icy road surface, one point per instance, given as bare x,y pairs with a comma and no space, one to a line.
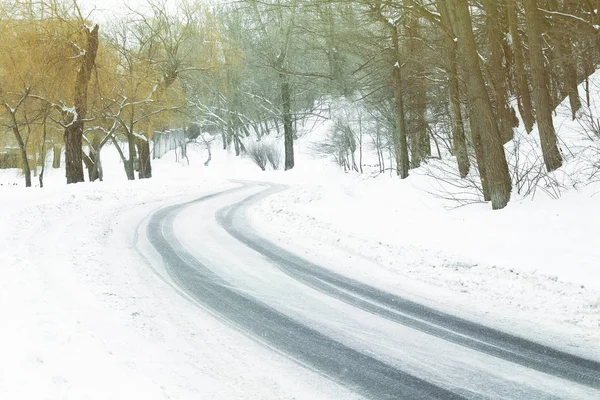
372,342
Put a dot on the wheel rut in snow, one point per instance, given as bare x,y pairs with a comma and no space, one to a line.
395,308
357,371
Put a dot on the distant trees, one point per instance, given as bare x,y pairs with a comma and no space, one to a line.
63,71
431,79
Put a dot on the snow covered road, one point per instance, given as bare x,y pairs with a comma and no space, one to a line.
371,342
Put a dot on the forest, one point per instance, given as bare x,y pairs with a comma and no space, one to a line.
444,83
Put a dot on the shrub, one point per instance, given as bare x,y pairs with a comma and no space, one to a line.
273,155
257,152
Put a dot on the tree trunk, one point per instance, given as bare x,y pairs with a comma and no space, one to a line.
35,164
74,129
224,139
399,138
589,58
207,143
57,150
74,152
481,112
130,167
92,160
90,164
570,77
497,73
99,165
236,144
143,148
523,92
44,150
480,157
288,130
458,128
360,144
565,54
416,95
127,164
23,152
541,94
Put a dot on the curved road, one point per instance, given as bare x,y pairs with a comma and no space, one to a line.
373,342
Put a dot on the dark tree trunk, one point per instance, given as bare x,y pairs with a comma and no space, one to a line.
74,129
541,94
288,129
480,157
143,148
44,151
523,92
589,58
236,144
567,60
209,154
23,152
90,164
129,170
56,150
496,38
481,113
224,139
130,165
92,160
74,152
570,78
594,11
458,128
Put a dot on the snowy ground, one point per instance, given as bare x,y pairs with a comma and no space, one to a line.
531,269
85,317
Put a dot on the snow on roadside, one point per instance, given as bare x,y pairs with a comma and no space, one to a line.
84,316
531,269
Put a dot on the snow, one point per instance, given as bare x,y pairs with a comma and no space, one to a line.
140,136
527,267
581,20
84,316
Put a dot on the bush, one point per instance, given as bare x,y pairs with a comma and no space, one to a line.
273,155
262,153
257,152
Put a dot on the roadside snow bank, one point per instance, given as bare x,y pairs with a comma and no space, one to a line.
531,269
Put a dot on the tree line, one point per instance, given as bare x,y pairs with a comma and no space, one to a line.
453,76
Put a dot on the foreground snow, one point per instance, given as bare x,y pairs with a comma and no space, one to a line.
84,316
